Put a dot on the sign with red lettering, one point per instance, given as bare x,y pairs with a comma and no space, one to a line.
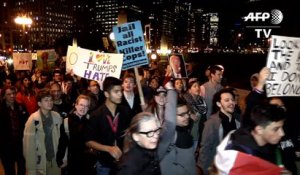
22,61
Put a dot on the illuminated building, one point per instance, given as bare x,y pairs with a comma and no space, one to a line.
51,20
6,41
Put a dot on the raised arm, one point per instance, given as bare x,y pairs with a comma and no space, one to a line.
169,125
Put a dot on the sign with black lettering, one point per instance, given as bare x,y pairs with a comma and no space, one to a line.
129,40
284,64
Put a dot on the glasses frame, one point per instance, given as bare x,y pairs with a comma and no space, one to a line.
184,114
151,133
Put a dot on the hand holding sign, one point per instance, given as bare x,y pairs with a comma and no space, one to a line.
262,78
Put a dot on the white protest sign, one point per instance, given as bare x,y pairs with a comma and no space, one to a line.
129,40
95,65
22,61
284,64
71,58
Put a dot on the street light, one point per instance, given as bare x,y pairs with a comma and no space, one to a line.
112,36
23,20
153,56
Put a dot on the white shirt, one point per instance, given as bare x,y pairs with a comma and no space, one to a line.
129,98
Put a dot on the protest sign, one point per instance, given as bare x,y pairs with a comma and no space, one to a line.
46,59
95,65
22,61
129,40
33,56
284,64
177,64
71,58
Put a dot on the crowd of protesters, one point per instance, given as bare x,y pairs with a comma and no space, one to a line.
53,123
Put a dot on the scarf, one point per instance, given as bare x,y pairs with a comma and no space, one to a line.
48,126
197,103
184,138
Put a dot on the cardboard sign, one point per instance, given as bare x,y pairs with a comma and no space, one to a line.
22,61
129,40
94,65
284,64
46,59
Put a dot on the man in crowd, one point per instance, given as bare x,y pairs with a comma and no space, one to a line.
12,122
177,66
217,127
106,127
257,144
213,85
41,136
60,104
130,98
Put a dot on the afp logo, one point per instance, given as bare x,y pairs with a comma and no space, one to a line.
275,17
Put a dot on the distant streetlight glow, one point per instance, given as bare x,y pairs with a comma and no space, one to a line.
153,56
9,61
112,36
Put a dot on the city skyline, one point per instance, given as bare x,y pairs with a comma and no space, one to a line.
89,21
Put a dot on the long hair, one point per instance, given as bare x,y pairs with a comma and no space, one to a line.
135,127
27,91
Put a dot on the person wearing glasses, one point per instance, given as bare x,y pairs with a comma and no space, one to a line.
140,143
175,148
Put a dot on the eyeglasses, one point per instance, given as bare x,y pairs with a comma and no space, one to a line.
185,114
151,133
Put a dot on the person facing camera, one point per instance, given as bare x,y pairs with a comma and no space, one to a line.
141,139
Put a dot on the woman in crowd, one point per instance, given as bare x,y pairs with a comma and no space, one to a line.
179,87
79,160
141,139
198,108
157,104
26,95
154,83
